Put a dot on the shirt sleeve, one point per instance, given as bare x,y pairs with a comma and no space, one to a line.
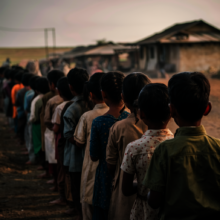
17,99
128,166
70,122
47,115
56,116
80,134
112,149
94,140
155,178
26,102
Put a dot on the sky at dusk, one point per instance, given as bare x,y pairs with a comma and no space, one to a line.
80,22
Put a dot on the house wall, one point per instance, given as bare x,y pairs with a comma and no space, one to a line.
143,58
152,62
199,57
174,55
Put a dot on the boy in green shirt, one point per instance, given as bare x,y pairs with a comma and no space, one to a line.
184,173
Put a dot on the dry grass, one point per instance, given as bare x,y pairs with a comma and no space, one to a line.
21,55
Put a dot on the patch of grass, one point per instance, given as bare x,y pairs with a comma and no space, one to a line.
17,55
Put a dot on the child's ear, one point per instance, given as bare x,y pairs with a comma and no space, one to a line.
103,95
208,109
92,95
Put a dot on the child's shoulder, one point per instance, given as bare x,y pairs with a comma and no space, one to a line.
214,143
100,118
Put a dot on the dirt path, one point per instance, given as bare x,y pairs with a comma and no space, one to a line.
22,195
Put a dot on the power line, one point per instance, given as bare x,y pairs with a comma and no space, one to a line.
36,30
23,29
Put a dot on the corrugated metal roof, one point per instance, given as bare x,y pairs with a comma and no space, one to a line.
166,35
95,50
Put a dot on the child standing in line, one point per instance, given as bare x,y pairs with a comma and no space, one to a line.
41,87
73,156
184,173
153,102
82,138
21,115
17,78
51,105
53,76
121,134
65,93
111,87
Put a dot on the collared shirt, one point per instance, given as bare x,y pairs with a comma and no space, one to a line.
44,100
136,161
73,156
98,142
121,134
33,117
14,91
57,113
187,170
50,109
82,136
20,102
27,102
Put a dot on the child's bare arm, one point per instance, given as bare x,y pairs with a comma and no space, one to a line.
56,128
128,187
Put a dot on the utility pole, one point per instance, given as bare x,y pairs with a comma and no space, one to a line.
37,30
46,42
54,42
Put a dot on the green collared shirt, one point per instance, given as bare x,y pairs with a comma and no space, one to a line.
187,170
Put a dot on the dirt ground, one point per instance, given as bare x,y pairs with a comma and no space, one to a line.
23,196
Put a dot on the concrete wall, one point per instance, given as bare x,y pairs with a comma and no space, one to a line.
199,57
151,64
143,60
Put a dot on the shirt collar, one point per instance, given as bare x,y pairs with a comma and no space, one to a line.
191,131
100,106
77,98
159,132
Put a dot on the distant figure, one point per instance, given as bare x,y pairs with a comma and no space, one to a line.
95,69
33,67
6,62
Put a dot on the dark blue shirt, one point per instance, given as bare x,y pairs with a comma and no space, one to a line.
98,142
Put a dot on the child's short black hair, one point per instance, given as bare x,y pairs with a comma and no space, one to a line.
63,87
13,73
18,76
189,93
132,85
77,78
3,70
7,74
26,78
154,102
17,68
111,84
54,75
93,85
42,85
32,82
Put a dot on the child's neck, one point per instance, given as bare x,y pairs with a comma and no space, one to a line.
156,127
114,109
98,102
183,123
